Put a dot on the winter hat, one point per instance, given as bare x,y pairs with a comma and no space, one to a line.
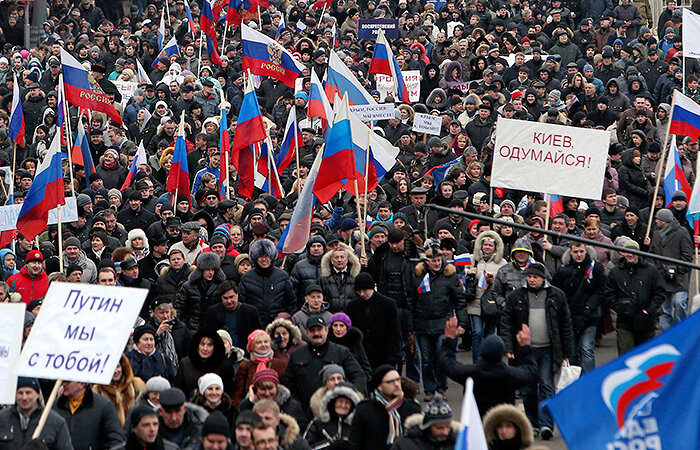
208,260
395,236
143,329
216,423
73,268
251,339
492,348
28,382
72,242
248,417
207,380
157,384
330,369
116,192
555,94
632,244
348,224
664,215
436,412
139,412
536,269
225,336
375,230
341,317
262,247
632,209
378,375
364,280
679,195
265,375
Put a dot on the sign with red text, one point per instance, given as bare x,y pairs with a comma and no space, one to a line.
555,159
12,325
81,332
385,84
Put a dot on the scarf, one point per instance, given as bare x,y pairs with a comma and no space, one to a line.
262,360
392,408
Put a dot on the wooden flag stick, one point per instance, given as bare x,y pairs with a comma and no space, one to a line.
47,408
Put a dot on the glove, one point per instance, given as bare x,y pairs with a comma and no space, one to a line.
338,201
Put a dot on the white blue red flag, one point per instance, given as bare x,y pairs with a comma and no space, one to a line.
384,62
424,286
179,175
290,143
250,131
80,153
471,434
465,259
190,20
225,145
674,176
319,106
16,127
339,79
139,159
207,23
264,56
170,49
685,116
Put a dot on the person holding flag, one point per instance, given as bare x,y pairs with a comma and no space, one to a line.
384,62
179,176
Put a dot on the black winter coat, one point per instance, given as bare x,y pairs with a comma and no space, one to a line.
584,295
170,282
516,312
494,382
196,296
269,290
94,425
246,319
135,219
370,425
632,289
633,184
430,310
393,273
54,434
354,341
378,320
305,273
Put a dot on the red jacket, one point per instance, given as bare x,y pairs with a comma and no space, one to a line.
30,289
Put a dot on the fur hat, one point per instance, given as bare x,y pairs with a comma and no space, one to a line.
208,260
263,247
508,413
136,233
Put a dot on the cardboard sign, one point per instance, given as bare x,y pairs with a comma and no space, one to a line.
126,89
385,84
81,332
9,214
381,111
369,28
12,326
554,159
427,123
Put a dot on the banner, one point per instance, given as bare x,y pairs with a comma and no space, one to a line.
81,332
427,123
691,30
554,159
9,214
12,326
369,28
126,89
381,111
385,85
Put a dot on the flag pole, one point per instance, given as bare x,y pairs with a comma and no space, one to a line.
664,153
546,222
369,148
47,409
66,122
223,41
167,13
259,17
296,143
227,155
697,273
200,46
60,237
279,182
363,252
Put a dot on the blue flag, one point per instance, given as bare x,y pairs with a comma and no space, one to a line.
649,398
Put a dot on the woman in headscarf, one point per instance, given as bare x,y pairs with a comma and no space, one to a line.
205,355
261,357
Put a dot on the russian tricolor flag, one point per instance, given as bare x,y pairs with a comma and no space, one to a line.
139,159
482,280
169,50
438,172
556,204
80,153
384,62
207,23
266,175
179,176
281,27
674,177
249,132
161,30
424,286
225,146
190,20
296,234
45,193
465,259
339,79
338,165
685,116
16,128
266,57
233,14
589,271
142,74
290,143
318,105
82,90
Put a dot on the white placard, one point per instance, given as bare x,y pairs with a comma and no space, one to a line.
81,332
9,214
126,89
12,325
381,111
385,84
554,159
427,123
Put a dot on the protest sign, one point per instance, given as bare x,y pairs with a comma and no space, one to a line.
81,332
385,84
126,89
12,325
369,28
556,159
427,123
381,111
9,214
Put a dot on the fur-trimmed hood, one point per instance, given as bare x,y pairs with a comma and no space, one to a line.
448,269
503,413
291,430
414,421
497,255
353,262
294,331
341,390
262,247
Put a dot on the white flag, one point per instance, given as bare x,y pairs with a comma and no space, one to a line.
471,433
691,30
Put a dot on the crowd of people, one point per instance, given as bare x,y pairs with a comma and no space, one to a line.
350,343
